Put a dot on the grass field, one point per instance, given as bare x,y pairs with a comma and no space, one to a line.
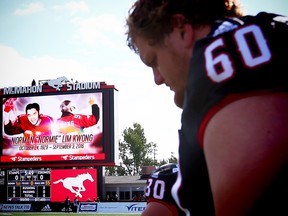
61,213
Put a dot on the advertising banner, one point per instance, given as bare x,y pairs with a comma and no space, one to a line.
15,207
86,207
121,207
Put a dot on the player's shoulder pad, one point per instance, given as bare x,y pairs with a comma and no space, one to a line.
46,117
166,169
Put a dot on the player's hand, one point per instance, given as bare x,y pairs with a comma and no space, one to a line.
38,133
9,116
28,133
9,105
91,101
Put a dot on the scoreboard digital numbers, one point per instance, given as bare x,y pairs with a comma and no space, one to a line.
28,185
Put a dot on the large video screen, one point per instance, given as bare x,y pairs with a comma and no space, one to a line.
63,127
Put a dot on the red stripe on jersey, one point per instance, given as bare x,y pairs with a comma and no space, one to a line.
227,100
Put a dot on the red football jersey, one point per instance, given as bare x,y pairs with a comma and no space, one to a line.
75,123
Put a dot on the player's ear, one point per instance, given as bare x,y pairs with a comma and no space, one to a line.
184,28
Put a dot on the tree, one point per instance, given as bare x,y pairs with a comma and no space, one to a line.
116,171
172,159
134,149
135,153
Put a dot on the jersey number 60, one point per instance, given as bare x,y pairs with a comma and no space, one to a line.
224,60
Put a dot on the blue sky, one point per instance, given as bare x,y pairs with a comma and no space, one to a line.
85,40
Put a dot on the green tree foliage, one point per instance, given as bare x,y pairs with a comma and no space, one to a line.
116,171
172,159
135,152
134,149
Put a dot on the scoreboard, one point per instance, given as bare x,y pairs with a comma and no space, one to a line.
29,185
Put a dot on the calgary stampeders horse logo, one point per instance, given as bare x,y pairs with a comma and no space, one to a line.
55,83
74,183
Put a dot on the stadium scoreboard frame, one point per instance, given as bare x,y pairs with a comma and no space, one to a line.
96,145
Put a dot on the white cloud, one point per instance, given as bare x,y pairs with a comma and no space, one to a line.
16,69
29,9
73,7
100,29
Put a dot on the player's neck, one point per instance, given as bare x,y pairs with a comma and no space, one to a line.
66,114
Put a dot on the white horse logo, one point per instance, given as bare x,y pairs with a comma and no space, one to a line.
76,182
57,83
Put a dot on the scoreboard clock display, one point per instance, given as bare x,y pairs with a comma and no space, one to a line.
29,185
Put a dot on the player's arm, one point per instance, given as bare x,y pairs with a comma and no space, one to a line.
12,128
95,108
95,111
9,116
245,145
157,209
12,122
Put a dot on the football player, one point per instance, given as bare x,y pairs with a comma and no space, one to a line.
158,192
